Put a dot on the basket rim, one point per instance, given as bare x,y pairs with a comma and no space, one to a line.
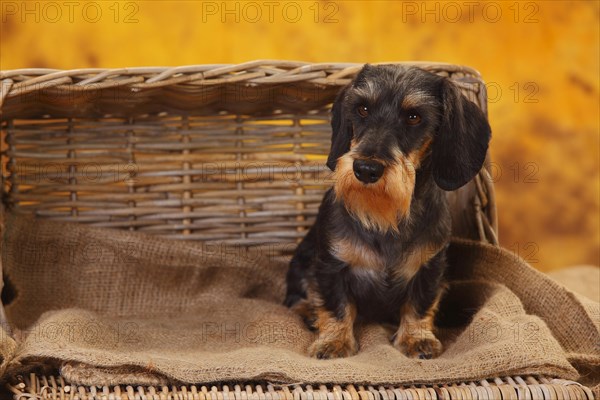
17,82
302,66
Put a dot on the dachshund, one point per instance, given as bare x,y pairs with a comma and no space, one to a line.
401,138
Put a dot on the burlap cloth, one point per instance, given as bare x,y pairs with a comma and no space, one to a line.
109,307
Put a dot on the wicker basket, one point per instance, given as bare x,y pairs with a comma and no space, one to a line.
233,153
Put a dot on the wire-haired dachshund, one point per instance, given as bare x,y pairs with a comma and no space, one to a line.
401,137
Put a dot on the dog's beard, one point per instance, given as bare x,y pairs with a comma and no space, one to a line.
381,205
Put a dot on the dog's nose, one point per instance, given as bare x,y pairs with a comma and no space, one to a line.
367,171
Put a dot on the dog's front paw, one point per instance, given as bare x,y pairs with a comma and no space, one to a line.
325,347
424,345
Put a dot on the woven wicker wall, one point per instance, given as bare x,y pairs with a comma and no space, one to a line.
233,154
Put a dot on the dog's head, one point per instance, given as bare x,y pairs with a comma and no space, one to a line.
385,124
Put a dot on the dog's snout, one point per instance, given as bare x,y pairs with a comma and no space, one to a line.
367,171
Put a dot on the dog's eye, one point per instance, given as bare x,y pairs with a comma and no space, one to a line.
363,111
413,119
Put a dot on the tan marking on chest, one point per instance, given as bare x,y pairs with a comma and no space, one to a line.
414,260
357,255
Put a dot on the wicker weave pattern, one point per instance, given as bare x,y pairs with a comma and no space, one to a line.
215,152
242,180
507,388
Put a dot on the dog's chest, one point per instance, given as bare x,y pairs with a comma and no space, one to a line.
378,265
378,273
383,265
374,284
359,255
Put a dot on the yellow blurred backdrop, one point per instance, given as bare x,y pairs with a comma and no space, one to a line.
541,61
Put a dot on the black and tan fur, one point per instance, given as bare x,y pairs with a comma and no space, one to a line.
401,138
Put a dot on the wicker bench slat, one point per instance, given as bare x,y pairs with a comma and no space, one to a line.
43,387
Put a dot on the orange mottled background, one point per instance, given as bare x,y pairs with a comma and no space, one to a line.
541,60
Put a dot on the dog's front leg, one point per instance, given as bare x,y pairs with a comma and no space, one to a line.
334,316
414,336
336,334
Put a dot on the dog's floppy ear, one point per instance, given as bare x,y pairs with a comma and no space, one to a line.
461,142
341,130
